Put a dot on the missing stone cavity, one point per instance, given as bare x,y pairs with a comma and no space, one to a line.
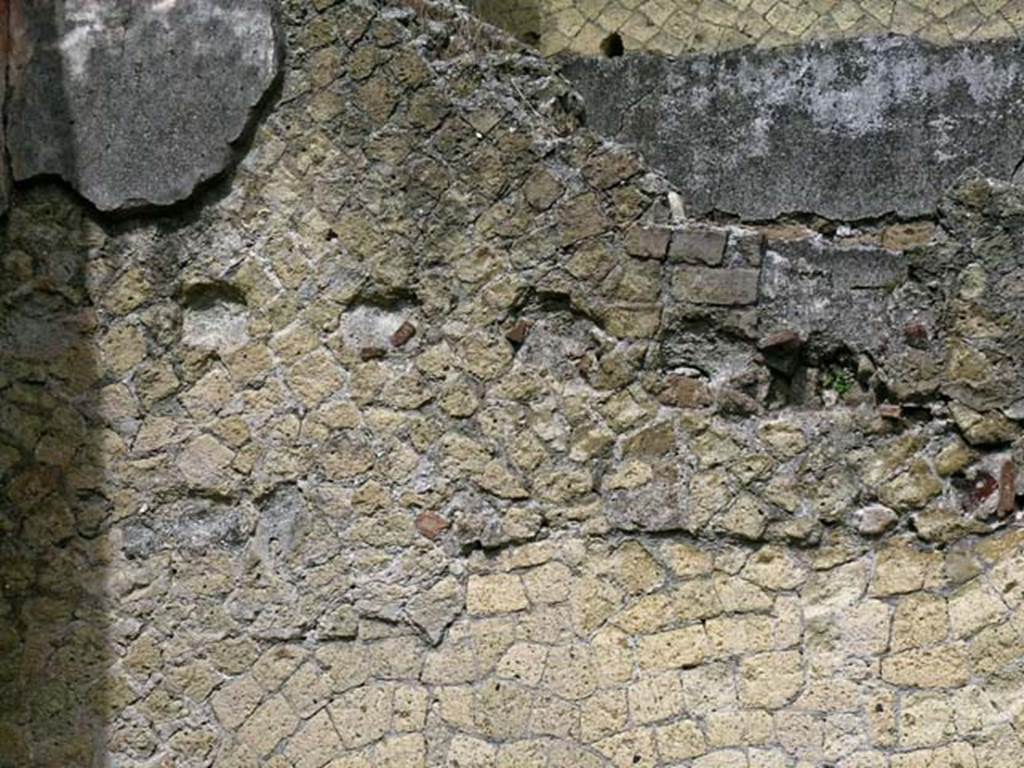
612,47
215,317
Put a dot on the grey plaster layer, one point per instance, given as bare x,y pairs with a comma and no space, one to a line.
839,296
847,130
135,103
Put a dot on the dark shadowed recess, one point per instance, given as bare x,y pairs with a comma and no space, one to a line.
54,639
60,404
54,634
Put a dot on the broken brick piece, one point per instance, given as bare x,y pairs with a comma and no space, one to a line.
984,486
405,332
372,353
430,525
517,333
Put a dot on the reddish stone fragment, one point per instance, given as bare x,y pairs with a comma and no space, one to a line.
430,525
1007,489
890,411
517,333
405,332
783,340
736,401
372,353
685,392
984,486
916,335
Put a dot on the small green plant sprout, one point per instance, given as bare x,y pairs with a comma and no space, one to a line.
839,380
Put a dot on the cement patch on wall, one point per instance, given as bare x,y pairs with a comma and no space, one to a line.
847,130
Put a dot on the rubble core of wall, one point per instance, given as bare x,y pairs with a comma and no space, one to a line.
435,437
679,27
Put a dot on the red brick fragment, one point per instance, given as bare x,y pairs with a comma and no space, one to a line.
430,525
890,411
372,353
404,333
517,333
984,486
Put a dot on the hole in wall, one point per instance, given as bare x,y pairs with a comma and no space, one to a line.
215,317
202,296
372,323
612,46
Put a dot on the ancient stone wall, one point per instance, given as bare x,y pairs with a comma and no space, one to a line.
436,433
676,27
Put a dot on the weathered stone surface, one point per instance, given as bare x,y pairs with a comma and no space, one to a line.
698,245
193,524
727,287
840,295
239,526
875,519
648,242
841,129
135,104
